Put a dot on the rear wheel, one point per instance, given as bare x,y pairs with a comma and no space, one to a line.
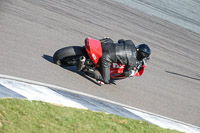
68,56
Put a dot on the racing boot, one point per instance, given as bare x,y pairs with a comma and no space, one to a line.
100,82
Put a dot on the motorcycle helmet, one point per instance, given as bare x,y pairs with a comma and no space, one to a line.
143,51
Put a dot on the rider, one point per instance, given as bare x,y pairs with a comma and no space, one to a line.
123,52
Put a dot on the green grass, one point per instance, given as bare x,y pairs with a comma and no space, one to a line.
23,116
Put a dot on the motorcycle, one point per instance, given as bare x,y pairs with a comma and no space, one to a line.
87,58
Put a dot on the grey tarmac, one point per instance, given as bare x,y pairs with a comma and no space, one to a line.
32,30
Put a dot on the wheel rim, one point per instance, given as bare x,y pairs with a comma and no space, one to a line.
70,61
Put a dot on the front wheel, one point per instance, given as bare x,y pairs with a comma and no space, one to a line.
69,56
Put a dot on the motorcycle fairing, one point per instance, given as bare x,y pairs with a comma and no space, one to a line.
94,49
139,73
116,71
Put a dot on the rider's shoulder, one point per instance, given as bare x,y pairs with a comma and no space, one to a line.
129,42
123,41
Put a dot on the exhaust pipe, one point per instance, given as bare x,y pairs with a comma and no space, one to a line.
81,63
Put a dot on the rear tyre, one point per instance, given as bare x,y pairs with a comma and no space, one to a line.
69,56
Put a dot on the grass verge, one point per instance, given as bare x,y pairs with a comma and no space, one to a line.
39,117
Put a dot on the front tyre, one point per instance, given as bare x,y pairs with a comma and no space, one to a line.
69,56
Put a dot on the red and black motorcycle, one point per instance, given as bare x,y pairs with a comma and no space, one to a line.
87,58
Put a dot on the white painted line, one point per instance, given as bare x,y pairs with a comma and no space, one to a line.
165,123
41,93
98,98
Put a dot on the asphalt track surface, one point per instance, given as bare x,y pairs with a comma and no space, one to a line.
31,31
